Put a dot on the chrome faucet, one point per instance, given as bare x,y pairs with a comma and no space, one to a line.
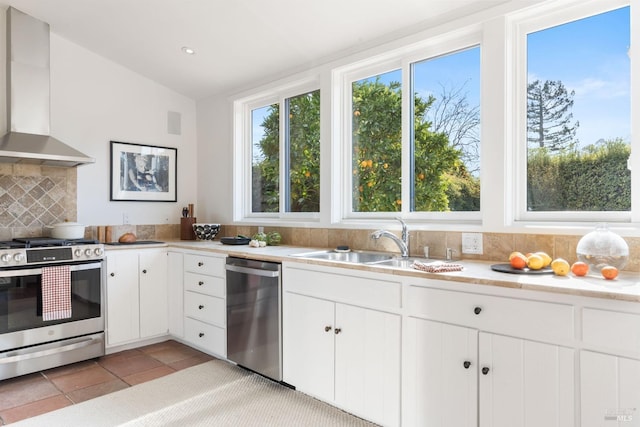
403,243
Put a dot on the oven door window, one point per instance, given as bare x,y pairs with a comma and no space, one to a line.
21,297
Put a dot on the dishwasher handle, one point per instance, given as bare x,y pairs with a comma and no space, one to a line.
253,271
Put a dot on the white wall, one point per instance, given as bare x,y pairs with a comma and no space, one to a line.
94,101
215,161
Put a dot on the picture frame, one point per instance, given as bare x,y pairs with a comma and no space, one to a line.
143,173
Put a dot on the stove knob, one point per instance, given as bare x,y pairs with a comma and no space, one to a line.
5,258
18,257
98,251
88,252
77,253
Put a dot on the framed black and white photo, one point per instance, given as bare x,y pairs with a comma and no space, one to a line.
143,172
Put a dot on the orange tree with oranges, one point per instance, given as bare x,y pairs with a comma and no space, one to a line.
377,152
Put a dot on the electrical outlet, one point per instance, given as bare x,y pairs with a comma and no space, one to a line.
260,229
472,243
125,218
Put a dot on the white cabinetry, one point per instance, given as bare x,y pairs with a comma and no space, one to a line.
136,295
341,339
462,348
205,302
176,293
610,372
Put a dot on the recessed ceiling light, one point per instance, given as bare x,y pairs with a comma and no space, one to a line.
188,50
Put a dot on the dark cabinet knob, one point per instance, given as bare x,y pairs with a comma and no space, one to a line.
144,271
200,307
200,283
113,275
201,334
466,364
200,263
337,331
477,310
327,328
485,370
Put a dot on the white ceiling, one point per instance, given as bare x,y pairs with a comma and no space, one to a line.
237,41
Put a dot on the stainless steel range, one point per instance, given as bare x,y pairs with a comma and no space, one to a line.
51,303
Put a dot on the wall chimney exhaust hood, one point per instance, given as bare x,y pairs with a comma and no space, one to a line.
28,140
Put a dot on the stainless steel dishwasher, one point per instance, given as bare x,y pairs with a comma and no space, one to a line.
254,319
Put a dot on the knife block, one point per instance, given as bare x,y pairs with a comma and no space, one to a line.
186,228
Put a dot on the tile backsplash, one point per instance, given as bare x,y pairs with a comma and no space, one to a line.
33,196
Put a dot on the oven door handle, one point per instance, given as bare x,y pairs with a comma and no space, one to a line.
25,354
38,270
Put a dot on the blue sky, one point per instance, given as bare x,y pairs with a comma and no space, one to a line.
590,57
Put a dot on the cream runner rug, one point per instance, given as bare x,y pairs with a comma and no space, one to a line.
215,393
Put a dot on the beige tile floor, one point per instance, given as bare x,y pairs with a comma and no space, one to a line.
45,391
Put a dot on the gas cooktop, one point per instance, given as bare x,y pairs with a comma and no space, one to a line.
43,242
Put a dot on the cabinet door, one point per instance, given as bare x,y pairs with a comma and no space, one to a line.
367,370
440,375
308,348
154,313
609,390
123,322
525,383
175,294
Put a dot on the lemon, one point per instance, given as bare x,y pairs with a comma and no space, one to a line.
560,267
545,257
535,262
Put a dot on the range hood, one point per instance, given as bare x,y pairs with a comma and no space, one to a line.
28,92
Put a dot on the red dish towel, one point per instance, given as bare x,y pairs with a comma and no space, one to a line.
56,292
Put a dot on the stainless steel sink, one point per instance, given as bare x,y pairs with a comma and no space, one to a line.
399,262
355,257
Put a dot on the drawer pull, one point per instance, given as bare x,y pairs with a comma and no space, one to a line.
200,263
144,271
485,370
466,364
200,307
337,331
200,283
327,328
477,310
201,334
112,274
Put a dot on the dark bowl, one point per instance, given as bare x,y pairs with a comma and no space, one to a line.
206,231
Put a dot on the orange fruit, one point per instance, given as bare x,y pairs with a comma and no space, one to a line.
580,268
518,261
609,272
535,262
512,254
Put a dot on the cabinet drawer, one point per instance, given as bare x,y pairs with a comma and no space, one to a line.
209,285
520,318
209,338
204,264
206,308
349,287
611,330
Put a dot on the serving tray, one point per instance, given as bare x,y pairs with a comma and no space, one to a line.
506,268
235,240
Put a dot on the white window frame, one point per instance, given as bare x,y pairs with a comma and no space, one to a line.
522,25
242,155
402,59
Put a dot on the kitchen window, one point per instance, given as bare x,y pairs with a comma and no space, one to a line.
284,154
432,168
575,129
